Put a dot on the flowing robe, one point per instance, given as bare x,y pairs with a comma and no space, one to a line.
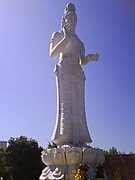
71,126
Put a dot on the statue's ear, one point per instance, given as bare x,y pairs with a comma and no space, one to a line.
62,21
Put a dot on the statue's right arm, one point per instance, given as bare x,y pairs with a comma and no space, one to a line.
57,44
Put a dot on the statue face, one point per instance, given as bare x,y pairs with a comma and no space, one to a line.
69,21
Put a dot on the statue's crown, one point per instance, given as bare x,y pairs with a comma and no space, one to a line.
69,7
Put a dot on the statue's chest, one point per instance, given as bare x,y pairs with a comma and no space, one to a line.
73,46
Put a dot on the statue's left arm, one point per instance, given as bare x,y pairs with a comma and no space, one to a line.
86,59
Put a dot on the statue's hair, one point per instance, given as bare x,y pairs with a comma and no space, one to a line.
69,9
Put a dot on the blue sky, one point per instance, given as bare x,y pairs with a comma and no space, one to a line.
27,82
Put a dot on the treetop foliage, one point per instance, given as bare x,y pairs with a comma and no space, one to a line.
22,159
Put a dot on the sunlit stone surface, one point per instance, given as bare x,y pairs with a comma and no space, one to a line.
63,162
71,131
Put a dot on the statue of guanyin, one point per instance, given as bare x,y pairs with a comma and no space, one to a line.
71,126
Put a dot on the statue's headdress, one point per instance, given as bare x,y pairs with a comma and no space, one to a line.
69,8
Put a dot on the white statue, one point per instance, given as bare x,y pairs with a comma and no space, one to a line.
71,126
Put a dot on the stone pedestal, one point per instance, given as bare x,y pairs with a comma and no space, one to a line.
63,162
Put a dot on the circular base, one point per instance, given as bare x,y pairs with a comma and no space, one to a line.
63,162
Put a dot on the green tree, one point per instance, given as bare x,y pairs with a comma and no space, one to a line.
23,159
112,151
52,145
2,155
3,164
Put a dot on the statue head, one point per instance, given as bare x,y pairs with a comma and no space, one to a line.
69,20
69,7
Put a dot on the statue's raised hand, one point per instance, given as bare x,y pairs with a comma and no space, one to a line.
67,34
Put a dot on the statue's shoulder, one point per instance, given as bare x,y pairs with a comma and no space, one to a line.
79,40
57,36
82,47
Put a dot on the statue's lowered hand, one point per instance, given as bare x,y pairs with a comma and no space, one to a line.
92,57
